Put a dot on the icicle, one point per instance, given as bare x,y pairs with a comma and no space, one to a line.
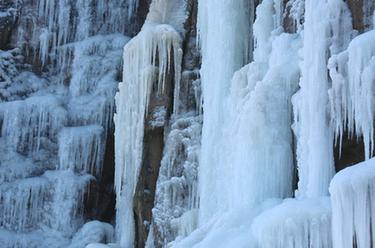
27,122
150,48
361,64
81,149
22,203
351,95
67,203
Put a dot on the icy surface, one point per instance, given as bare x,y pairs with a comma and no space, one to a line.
295,223
93,232
352,194
224,44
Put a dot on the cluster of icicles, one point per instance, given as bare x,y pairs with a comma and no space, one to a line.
313,85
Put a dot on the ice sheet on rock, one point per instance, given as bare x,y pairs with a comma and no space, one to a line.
81,149
352,196
15,166
168,12
64,22
30,124
22,203
90,110
175,212
295,223
148,58
67,203
34,239
93,232
96,62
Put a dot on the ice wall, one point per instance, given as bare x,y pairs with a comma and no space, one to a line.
54,124
240,173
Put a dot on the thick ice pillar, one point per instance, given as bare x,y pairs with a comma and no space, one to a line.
224,41
314,147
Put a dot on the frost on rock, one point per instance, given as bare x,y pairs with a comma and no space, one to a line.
352,194
176,204
148,58
295,223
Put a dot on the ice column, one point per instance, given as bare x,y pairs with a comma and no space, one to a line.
314,147
223,30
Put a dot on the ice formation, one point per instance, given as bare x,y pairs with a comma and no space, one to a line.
81,149
258,144
295,223
148,60
176,203
223,37
54,123
352,99
248,139
314,138
352,194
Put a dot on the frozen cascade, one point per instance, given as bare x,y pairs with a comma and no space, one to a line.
27,123
52,134
22,203
223,31
67,202
148,58
267,150
352,195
